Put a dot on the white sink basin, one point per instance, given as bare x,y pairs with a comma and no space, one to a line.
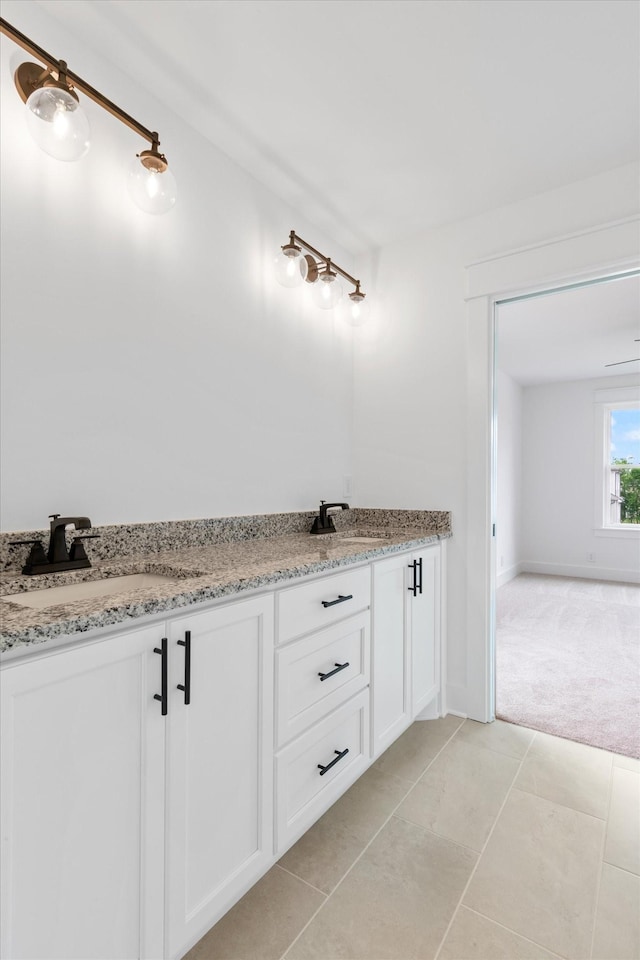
86,590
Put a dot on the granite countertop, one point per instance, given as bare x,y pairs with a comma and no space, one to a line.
200,572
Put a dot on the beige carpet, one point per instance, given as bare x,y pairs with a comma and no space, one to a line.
568,659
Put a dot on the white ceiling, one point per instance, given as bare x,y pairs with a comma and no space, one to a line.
571,335
380,118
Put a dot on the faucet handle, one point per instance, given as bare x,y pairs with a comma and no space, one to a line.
53,516
77,551
36,554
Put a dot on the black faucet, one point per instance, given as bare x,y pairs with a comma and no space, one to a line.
58,557
324,523
57,552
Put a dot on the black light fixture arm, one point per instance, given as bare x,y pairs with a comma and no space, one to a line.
57,66
294,238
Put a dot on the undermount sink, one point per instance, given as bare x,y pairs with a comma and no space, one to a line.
86,590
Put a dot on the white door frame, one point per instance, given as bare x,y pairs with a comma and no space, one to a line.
601,251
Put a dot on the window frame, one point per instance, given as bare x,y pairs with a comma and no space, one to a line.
607,402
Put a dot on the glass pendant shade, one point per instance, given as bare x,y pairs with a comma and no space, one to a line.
291,266
354,310
327,291
154,191
58,123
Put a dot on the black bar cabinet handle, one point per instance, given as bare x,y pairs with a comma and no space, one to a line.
332,673
414,588
341,599
340,755
420,571
186,686
162,697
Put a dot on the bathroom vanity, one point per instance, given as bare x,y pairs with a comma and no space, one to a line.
158,760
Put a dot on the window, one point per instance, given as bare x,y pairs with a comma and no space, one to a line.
618,459
624,461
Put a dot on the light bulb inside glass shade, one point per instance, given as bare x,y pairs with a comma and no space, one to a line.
327,291
154,191
58,123
354,310
291,266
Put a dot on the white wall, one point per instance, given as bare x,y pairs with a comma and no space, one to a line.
509,506
152,368
414,372
559,470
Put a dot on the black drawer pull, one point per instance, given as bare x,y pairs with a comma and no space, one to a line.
420,572
414,588
332,673
186,686
162,697
340,755
341,599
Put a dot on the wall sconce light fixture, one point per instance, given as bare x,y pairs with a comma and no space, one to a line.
60,127
294,267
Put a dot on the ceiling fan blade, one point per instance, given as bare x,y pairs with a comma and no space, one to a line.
635,359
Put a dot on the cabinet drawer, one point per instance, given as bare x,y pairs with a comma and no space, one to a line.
339,744
302,609
315,675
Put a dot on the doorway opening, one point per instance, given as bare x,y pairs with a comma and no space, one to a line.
566,465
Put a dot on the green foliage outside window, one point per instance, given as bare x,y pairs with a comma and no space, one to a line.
629,492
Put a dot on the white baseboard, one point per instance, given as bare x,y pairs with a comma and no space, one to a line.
457,700
586,573
503,576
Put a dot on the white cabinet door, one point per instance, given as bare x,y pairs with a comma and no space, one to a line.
82,768
390,665
220,764
406,641
424,625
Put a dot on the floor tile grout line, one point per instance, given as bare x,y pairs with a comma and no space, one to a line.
439,836
556,956
559,803
626,870
490,834
484,746
296,877
602,861
364,850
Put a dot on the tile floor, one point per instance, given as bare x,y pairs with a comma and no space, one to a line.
464,841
